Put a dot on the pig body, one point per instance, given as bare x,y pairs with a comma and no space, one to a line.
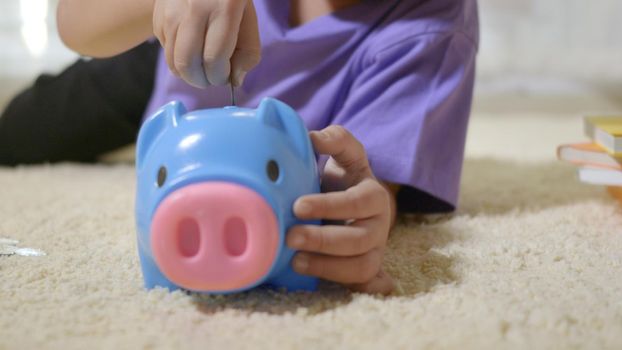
215,190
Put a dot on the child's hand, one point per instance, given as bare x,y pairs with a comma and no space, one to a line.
208,41
350,254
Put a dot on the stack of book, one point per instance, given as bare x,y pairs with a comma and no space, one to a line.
599,161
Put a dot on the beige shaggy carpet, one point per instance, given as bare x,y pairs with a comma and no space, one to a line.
531,260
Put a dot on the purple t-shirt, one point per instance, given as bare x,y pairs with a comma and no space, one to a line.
397,73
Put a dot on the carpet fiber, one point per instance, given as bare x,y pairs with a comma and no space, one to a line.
532,259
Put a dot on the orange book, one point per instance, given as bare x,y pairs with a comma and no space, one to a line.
616,192
588,154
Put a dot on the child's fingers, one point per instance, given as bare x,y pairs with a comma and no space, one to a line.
188,51
340,240
347,151
167,36
382,283
165,25
170,35
221,39
247,53
158,28
366,199
357,269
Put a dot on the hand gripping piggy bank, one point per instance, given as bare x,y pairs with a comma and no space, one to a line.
215,190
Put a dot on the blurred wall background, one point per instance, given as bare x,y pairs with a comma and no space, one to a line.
28,38
561,55
530,48
28,44
556,38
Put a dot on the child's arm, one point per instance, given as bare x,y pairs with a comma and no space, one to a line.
104,28
205,41
352,253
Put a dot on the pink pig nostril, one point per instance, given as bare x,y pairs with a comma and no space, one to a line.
235,236
189,237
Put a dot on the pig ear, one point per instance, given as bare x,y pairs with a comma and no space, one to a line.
166,117
281,116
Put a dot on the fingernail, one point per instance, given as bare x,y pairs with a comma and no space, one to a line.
301,262
320,135
296,241
302,208
239,78
217,72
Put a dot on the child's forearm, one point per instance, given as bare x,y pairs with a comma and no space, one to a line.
104,28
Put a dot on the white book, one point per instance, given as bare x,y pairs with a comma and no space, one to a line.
600,176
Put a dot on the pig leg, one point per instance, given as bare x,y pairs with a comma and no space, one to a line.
293,281
151,273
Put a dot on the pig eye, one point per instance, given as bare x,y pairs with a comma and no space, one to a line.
272,169
161,176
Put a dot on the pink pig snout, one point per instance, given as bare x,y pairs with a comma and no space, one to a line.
214,236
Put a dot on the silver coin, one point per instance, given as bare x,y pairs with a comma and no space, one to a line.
232,94
7,249
29,252
8,241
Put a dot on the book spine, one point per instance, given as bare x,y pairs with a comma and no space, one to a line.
606,140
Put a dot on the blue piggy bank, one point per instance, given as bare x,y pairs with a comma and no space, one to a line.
215,190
